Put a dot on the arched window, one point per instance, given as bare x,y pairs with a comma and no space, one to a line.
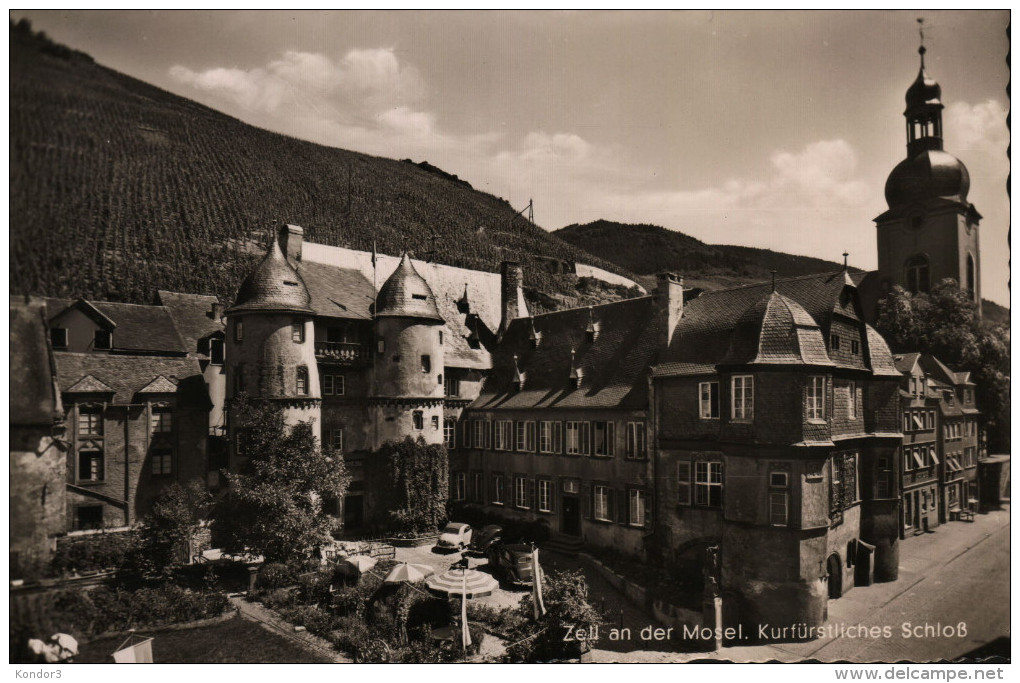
917,278
302,381
970,274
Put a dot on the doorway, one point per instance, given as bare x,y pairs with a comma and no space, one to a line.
571,516
835,569
354,512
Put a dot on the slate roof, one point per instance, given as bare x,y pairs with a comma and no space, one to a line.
192,316
274,285
33,399
905,362
127,376
613,367
90,385
881,357
406,294
337,292
776,330
139,328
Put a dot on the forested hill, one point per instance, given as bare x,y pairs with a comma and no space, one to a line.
649,249
118,188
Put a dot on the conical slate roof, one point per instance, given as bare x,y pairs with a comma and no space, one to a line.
406,294
777,330
274,285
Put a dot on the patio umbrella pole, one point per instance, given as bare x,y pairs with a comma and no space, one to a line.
466,637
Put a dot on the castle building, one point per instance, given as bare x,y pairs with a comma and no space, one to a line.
930,231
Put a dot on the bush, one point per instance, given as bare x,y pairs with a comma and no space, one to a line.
313,588
94,552
277,598
317,620
567,606
276,575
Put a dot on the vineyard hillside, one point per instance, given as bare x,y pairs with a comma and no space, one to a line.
119,188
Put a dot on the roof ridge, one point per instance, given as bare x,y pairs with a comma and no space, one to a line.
581,308
767,283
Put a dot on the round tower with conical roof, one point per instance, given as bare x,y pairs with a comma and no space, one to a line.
407,389
270,351
930,231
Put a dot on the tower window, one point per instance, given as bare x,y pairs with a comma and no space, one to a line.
216,351
426,364
917,277
239,331
970,274
302,381
440,337
418,418
297,333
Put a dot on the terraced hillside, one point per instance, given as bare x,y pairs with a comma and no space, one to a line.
119,188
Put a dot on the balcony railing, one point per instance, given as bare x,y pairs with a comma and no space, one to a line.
342,352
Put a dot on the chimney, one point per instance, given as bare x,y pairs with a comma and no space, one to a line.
291,237
511,294
217,311
669,303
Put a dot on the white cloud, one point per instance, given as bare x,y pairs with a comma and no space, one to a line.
979,127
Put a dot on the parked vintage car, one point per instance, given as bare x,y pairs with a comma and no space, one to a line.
486,536
510,562
454,536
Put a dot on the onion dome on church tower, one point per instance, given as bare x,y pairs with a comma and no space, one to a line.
406,294
928,172
274,285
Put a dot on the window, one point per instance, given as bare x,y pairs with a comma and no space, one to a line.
239,331
297,333
327,385
638,503
834,342
908,511
449,432
855,347
380,345
525,437
550,437
742,398
814,406
103,340
435,422
418,419
851,407
636,440
338,385
605,438
916,269
451,386
459,486
426,364
906,421
970,274
162,462
88,517
545,494
708,483
843,479
497,489
521,492
216,351
90,420
302,381
440,337
239,380
601,503
918,418
708,400
480,435
162,419
779,479
90,464
58,337
420,297
504,435
336,438
779,503
578,438
683,481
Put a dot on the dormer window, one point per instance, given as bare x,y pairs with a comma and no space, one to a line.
834,342
216,351
419,297
103,340
58,337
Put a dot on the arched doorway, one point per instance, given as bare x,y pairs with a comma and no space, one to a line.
835,569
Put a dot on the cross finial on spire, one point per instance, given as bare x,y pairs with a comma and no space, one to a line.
920,29
773,271
846,255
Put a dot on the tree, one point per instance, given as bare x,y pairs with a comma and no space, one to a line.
175,516
568,608
417,482
945,323
274,503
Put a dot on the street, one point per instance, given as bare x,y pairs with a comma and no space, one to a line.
952,596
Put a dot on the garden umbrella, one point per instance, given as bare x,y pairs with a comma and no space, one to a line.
361,562
468,582
410,573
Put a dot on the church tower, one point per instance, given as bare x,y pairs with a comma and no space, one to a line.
407,394
930,231
270,351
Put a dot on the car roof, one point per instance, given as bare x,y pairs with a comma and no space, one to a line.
457,525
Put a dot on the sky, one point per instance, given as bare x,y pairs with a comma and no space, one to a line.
768,129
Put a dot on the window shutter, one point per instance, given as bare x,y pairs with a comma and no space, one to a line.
466,436
533,494
622,503
649,508
587,504
684,482
488,435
